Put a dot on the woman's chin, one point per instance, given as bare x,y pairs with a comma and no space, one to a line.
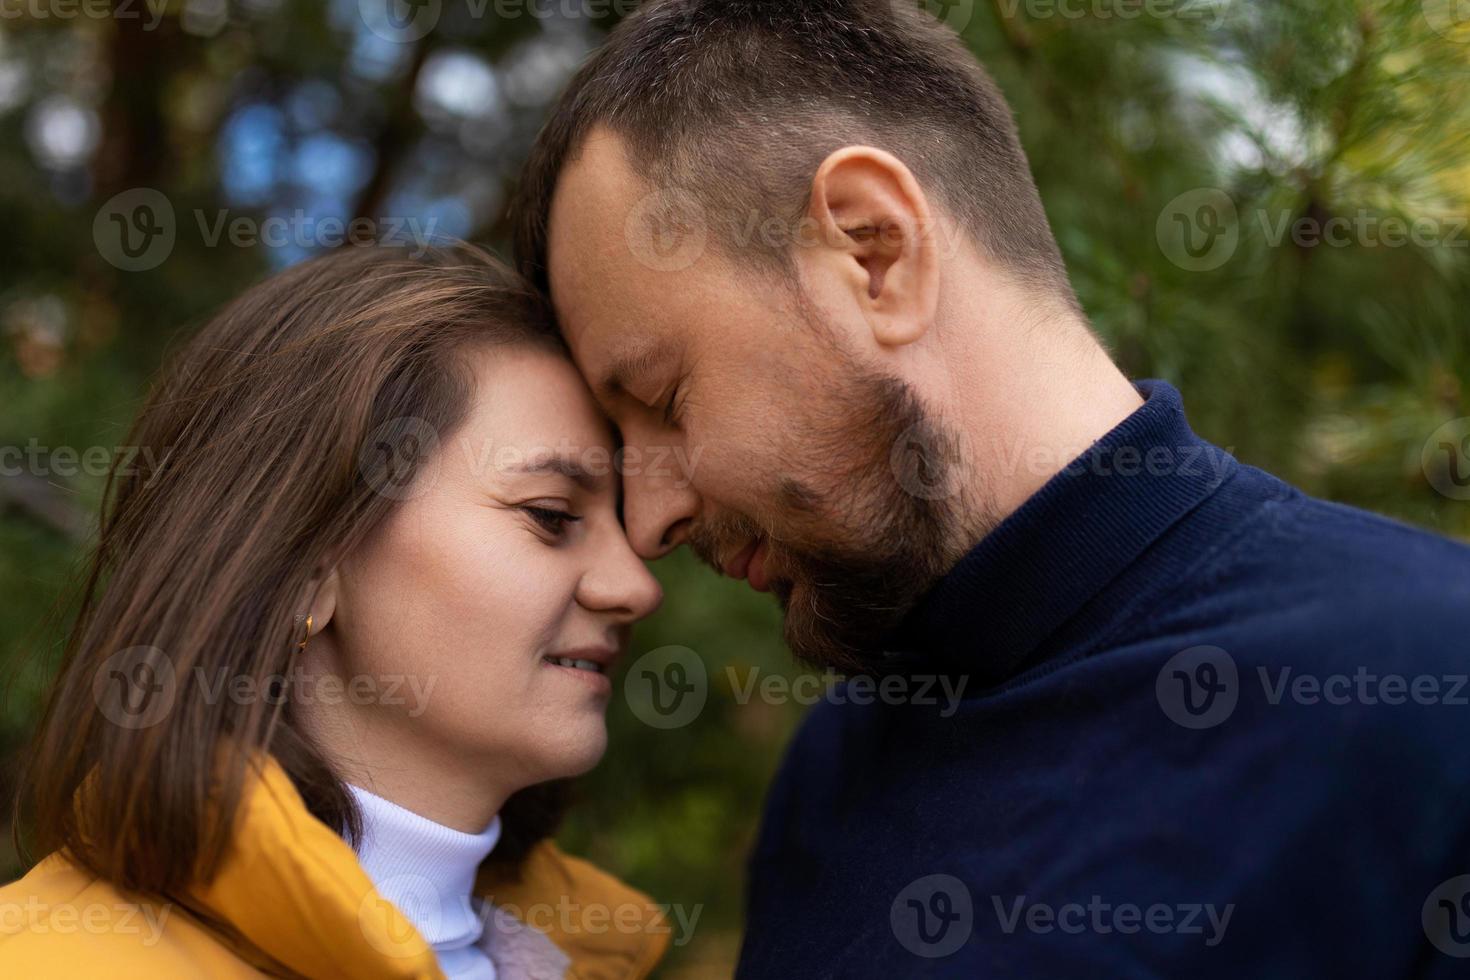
577,748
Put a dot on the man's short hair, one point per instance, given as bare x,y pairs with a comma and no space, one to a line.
737,102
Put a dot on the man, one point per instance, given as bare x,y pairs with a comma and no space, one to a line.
801,239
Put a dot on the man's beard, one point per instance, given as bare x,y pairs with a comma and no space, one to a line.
848,561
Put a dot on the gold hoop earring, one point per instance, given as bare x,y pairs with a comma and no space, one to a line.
306,635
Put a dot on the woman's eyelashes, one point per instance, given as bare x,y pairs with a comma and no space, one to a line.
550,519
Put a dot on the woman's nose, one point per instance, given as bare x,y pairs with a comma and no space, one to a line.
621,583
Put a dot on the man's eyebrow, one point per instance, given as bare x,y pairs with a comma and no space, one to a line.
630,364
562,466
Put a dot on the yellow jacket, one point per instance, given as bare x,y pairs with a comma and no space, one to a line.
291,899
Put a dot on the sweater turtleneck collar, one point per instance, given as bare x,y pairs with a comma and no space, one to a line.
428,871
992,613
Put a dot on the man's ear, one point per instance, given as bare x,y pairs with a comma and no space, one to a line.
876,232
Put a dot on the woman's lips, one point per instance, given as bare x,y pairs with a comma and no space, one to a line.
596,679
592,665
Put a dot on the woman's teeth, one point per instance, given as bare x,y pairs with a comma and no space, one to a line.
591,665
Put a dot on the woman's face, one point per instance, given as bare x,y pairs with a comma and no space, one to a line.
506,562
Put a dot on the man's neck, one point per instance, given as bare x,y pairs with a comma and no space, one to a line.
1027,392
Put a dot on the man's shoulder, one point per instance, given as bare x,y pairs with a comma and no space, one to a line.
1394,545
1311,569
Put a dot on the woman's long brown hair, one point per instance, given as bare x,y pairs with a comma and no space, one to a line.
260,463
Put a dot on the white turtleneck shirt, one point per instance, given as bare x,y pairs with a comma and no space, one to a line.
428,871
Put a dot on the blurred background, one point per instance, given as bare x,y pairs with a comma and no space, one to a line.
1264,203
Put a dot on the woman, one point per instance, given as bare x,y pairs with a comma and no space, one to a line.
348,618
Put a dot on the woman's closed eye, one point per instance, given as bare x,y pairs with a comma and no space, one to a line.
550,519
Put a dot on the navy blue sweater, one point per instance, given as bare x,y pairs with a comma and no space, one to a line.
1210,727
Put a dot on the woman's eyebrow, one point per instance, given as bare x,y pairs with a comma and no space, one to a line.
561,465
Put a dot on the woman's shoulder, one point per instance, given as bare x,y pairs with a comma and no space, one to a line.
60,922
557,910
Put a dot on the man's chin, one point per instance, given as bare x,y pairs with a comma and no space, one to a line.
840,610
814,633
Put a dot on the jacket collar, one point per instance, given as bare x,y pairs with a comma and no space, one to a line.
293,894
294,890
989,615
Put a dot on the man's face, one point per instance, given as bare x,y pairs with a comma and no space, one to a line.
754,429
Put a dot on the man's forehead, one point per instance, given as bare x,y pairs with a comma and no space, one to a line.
594,192
586,256
600,294
592,326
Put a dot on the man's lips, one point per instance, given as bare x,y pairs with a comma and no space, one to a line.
750,564
755,571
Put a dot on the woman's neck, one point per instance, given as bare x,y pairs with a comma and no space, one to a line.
442,794
394,762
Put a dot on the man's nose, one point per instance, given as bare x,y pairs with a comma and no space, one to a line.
658,509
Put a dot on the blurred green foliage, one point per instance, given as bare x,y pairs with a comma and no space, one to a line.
1329,363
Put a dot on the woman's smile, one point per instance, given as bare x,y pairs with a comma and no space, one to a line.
591,666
